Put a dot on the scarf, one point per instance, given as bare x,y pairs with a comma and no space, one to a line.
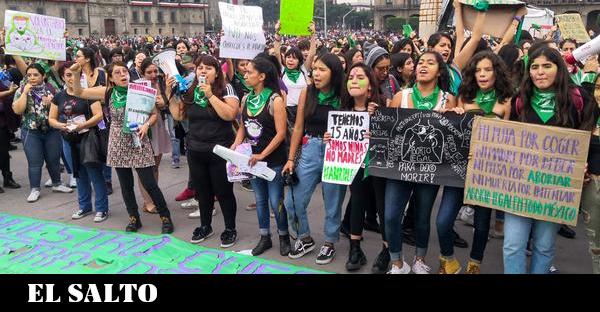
119,97
486,100
200,98
329,99
256,102
543,103
427,102
292,74
243,81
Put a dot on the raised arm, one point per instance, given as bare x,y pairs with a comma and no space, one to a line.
462,58
512,28
313,47
277,43
21,65
176,106
460,27
95,93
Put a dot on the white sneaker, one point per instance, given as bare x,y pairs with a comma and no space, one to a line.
100,216
34,195
195,214
405,269
72,181
190,204
62,189
466,215
48,183
419,267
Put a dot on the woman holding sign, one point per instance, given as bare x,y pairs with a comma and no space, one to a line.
123,152
210,106
311,124
546,97
264,128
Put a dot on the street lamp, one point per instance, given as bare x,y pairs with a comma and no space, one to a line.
344,18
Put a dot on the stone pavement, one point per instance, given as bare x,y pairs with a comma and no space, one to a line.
572,255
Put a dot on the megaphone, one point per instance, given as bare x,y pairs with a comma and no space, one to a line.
166,62
580,54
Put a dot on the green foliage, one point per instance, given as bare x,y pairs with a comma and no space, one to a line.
395,24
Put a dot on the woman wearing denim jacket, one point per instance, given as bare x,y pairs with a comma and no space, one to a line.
311,124
546,82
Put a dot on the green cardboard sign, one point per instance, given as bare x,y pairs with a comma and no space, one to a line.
295,17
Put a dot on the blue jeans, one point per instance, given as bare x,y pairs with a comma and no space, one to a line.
66,156
91,175
107,173
176,152
309,171
452,198
397,195
270,192
516,235
40,147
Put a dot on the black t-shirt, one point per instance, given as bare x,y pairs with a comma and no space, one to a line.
70,107
316,124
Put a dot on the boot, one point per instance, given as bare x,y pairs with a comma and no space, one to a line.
284,245
134,224
264,244
167,225
356,257
10,183
382,263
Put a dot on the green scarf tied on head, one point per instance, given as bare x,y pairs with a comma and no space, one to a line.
200,98
240,77
543,103
292,74
486,100
256,102
329,99
427,102
119,97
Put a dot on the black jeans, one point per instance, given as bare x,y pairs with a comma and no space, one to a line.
209,178
148,180
4,156
481,221
379,191
361,191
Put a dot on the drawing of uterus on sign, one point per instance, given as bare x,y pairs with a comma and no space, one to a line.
423,143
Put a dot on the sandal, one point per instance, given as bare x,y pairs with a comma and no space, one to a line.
148,210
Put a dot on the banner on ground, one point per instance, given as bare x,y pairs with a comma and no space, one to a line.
34,35
528,170
420,146
571,27
498,18
32,246
140,103
295,17
243,33
345,153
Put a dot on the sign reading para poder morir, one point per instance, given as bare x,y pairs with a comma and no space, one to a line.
528,170
34,35
244,37
347,148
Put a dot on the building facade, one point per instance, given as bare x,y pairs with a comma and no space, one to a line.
120,17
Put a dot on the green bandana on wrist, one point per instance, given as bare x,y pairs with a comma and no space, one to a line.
292,74
119,97
200,98
543,103
481,5
329,99
255,103
427,102
486,100
243,81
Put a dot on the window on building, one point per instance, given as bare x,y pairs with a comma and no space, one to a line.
80,16
80,31
135,16
64,13
160,17
135,31
146,31
173,31
147,17
160,31
13,8
173,17
40,11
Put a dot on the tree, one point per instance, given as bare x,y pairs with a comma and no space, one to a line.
394,24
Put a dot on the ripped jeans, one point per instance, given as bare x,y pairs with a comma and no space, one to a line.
590,211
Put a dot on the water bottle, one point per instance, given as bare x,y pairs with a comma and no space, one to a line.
133,127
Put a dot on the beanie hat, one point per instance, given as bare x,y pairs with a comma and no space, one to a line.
373,52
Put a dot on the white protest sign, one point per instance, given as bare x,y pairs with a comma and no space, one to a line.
541,17
34,35
346,151
140,103
244,37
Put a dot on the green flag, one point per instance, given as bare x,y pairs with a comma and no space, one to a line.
406,30
295,17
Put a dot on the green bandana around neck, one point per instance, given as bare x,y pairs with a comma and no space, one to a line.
486,100
329,99
427,102
119,97
543,103
292,74
240,77
256,102
200,98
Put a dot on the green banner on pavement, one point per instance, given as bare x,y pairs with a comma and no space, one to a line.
34,246
295,17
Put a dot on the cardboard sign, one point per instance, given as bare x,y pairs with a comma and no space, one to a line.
499,16
140,103
295,17
528,170
421,146
35,35
244,37
571,27
346,151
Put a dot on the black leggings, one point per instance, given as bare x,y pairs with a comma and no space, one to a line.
209,178
361,194
148,180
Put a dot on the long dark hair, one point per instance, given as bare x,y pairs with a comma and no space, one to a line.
350,55
468,88
398,46
266,67
562,85
510,55
89,54
398,60
336,83
218,86
297,54
443,81
347,101
436,38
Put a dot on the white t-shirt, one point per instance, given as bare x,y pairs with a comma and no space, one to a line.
295,88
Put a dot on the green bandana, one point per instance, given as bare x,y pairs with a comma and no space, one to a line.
292,74
424,103
486,100
243,81
200,98
329,99
580,77
543,103
255,102
119,97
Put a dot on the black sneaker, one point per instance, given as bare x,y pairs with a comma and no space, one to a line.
263,245
326,254
167,225
134,224
459,242
11,184
109,189
356,257
228,238
382,263
201,233
301,248
284,245
566,232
